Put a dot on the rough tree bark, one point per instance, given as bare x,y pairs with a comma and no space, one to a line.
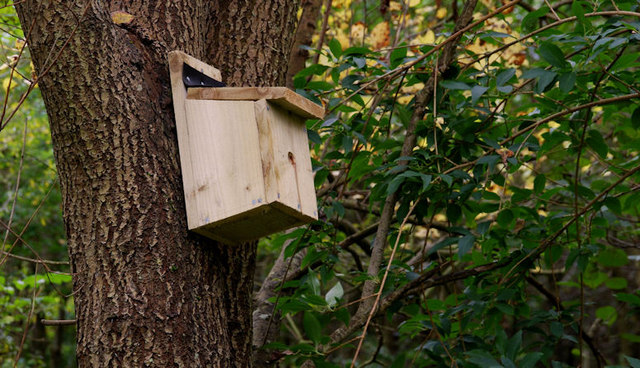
147,292
304,34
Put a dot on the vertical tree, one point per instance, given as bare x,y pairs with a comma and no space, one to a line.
146,291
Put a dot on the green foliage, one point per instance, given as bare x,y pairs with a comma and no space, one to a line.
519,198
517,162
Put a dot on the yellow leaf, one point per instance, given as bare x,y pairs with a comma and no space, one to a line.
441,13
343,39
357,31
427,38
380,35
120,17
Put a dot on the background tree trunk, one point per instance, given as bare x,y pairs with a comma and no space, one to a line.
147,292
304,35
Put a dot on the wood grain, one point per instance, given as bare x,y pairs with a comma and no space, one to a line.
279,95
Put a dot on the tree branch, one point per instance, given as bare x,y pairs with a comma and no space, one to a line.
423,97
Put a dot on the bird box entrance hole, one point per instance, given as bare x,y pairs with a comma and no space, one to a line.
244,154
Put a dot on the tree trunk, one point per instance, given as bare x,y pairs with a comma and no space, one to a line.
304,34
147,292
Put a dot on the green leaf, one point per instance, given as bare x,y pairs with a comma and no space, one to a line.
545,80
477,92
553,55
612,257
513,345
530,360
616,283
315,69
635,118
556,329
613,204
567,81
608,314
505,217
483,359
453,212
629,298
630,337
539,183
58,279
398,55
529,22
465,244
597,143
578,11
356,50
447,179
335,47
455,85
334,294
426,181
312,326
505,76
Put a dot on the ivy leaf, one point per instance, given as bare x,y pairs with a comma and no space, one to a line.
553,55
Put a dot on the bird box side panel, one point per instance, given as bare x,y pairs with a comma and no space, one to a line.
225,159
179,92
292,161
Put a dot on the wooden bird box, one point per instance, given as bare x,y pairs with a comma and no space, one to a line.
244,154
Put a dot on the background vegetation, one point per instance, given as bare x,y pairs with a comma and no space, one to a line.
482,214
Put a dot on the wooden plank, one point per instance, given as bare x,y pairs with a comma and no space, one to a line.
179,92
225,159
292,161
279,95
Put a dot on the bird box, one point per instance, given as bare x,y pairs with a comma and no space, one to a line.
244,153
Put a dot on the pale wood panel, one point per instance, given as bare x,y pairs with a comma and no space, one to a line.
278,95
292,162
179,93
225,153
240,183
266,150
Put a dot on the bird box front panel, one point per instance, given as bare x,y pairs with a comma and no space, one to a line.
227,177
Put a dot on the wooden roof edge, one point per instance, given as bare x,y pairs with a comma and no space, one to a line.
281,96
